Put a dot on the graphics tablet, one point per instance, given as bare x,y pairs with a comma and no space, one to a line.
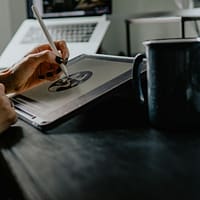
91,76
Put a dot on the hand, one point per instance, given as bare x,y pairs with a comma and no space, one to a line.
8,115
38,66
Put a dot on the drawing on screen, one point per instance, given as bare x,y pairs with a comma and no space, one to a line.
69,82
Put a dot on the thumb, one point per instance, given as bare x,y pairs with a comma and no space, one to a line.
2,89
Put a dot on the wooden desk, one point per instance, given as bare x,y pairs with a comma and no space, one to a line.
108,152
181,16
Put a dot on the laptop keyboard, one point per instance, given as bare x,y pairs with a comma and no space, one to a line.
70,33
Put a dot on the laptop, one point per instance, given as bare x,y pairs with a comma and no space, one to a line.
81,23
92,77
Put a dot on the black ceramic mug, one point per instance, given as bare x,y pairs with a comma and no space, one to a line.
173,82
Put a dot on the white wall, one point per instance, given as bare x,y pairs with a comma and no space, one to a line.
13,12
115,39
5,23
18,13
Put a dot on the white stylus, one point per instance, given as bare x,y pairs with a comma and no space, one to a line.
48,36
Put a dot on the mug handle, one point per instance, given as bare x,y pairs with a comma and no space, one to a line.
136,75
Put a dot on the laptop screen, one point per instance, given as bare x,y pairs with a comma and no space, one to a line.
70,8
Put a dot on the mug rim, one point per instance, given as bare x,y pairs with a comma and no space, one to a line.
171,41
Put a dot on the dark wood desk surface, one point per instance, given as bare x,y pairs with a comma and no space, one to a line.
108,152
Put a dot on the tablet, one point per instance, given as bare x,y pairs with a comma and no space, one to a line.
91,76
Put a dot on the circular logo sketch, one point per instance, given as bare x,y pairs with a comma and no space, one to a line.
70,82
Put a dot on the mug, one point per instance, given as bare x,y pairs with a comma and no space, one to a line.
173,82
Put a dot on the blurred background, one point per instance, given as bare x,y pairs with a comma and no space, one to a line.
12,13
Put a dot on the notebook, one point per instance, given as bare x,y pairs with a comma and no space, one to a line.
93,77
81,23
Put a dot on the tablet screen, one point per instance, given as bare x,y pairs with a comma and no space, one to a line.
91,77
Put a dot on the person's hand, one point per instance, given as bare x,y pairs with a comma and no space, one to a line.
8,115
38,66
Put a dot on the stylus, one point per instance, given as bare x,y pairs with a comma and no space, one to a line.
48,36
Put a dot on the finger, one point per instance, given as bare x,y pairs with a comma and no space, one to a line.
11,117
40,48
12,104
49,72
53,77
7,109
46,56
47,67
2,89
62,46
49,76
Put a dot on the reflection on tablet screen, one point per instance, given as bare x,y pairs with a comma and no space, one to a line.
68,82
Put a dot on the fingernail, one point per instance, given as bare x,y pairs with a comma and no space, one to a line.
41,77
12,104
58,70
59,60
65,61
49,74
